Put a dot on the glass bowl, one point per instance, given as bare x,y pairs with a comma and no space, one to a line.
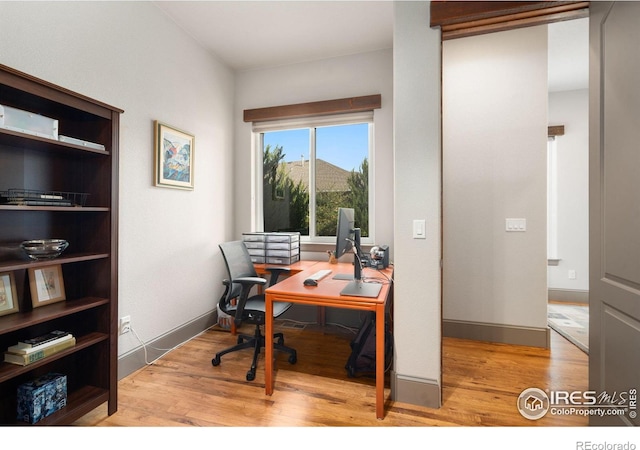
40,249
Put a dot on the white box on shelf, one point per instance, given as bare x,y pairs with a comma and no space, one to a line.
27,122
80,142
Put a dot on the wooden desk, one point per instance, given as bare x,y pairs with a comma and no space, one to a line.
294,268
327,293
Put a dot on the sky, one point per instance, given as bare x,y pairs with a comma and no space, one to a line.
345,146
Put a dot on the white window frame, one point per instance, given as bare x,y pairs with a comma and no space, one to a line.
258,128
552,199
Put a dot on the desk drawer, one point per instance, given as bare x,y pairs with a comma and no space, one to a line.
253,237
283,237
258,259
278,260
282,245
282,253
251,245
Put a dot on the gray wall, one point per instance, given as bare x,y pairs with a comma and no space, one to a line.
416,80
494,168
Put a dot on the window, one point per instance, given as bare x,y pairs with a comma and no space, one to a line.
552,193
552,199
308,168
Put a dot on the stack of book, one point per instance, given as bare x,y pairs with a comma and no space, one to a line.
32,350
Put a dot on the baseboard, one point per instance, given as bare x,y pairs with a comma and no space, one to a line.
135,359
415,391
569,296
504,334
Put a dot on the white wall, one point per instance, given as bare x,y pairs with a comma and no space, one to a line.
417,302
349,76
494,158
130,55
571,109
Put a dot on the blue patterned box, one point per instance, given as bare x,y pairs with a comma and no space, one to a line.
42,397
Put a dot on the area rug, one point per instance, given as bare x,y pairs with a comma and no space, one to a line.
572,322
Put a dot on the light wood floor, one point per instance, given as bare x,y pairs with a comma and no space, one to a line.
481,384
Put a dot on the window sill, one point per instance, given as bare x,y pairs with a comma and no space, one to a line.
321,247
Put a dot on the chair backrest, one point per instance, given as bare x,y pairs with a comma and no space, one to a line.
237,259
239,265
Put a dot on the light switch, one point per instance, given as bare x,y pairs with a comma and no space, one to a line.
516,224
419,229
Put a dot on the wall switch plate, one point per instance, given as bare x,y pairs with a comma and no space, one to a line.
419,229
516,224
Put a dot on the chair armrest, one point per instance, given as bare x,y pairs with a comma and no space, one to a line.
246,284
250,281
276,272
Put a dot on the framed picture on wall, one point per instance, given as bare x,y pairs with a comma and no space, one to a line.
174,157
47,285
8,297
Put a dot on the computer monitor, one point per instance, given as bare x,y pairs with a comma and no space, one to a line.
348,240
345,231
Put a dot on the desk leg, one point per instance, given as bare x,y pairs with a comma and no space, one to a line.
268,350
380,336
321,316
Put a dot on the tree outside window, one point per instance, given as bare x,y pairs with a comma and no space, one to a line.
309,173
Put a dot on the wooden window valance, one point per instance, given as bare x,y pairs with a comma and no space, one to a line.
461,19
555,130
343,105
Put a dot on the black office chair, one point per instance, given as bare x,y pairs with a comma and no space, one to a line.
236,302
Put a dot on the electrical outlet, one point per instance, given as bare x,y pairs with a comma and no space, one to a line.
125,324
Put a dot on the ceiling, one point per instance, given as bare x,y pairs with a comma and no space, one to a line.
255,34
249,35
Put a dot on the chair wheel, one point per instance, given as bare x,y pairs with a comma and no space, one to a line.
240,340
293,358
215,361
251,375
280,341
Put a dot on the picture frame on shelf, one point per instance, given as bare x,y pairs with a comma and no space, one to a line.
174,151
8,296
47,285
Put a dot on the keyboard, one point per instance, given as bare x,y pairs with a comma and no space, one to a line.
319,275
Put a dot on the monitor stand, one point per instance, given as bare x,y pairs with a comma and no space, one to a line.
343,276
358,288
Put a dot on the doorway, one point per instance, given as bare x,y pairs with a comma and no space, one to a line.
494,178
568,180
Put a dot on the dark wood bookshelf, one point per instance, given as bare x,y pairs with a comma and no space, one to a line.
90,264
